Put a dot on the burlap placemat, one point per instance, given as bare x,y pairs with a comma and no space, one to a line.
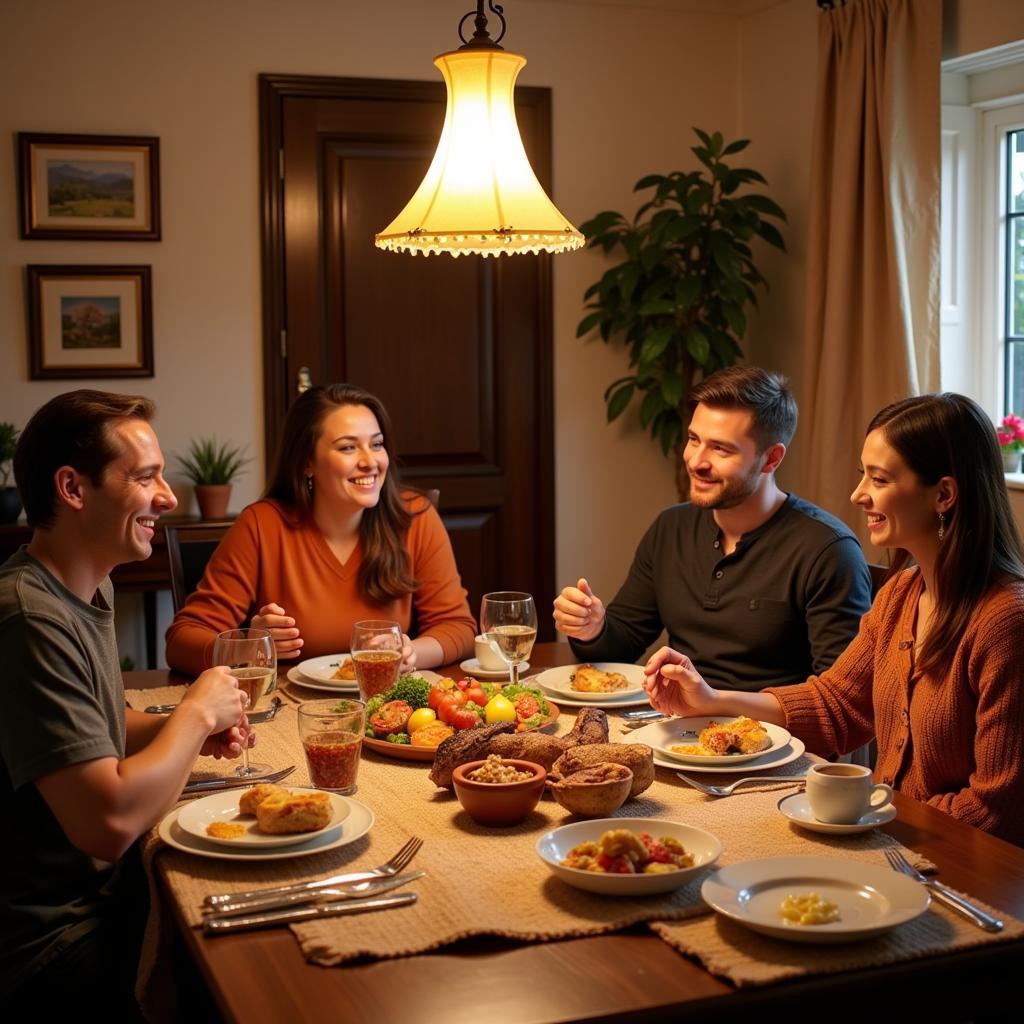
497,885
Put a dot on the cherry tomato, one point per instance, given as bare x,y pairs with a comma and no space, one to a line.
450,703
435,696
462,684
476,694
462,718
655,850
526,706
616,865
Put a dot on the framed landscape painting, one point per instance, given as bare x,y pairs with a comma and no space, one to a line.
91,321
89,187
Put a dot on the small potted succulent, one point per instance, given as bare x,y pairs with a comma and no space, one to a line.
10,502
212,468
1011,440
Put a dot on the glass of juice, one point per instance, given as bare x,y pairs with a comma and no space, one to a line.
331,732
376,654
252,659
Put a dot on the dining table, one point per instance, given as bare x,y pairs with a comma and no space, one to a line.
628,974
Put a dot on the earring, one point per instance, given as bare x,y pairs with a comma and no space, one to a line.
942,525
309,483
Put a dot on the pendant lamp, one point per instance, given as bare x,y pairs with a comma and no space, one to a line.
480,194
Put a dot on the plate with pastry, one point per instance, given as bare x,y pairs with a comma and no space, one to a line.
683,732
263,817
720,741
604,684
295,675
334,671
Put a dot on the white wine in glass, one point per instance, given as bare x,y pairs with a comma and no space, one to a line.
509,619
252,659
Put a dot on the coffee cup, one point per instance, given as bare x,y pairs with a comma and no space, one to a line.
841,794
488,656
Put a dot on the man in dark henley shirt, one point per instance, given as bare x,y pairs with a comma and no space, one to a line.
758,588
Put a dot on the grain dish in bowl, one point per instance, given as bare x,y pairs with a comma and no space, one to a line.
556,846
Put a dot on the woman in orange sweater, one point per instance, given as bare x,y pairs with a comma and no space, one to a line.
936,672
334,541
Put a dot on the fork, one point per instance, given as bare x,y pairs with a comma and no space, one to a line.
782,780
946,895
235,781
389,867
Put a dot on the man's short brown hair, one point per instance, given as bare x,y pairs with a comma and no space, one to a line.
765,395
72,429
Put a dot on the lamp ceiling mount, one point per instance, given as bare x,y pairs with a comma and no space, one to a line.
481,37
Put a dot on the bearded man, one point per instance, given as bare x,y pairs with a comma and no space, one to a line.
756,586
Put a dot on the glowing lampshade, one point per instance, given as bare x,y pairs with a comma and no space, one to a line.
480,194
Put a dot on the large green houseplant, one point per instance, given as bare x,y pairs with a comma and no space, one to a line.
677,299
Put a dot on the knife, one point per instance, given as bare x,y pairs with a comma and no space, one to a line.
297,899
273,918
232,781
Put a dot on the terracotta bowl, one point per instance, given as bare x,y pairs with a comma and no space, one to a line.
499,803
595,791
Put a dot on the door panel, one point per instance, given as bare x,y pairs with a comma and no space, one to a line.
459,350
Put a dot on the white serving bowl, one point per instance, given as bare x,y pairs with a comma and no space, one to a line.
554,846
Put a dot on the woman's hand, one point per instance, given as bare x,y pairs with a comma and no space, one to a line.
408,662
283,631
676,687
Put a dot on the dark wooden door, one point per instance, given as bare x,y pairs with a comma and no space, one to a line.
458,349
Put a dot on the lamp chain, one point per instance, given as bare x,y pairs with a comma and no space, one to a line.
481,37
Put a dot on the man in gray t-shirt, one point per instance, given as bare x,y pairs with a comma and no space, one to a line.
757,587
82,777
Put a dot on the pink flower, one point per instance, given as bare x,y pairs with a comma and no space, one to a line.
1010,433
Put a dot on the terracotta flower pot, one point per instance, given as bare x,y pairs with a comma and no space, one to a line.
213,500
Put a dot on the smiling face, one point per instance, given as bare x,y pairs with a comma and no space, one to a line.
902,512
722,459
132,494
349,460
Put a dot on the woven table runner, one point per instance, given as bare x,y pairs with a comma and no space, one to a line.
496,884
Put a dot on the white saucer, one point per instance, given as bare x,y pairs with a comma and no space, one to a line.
797,808
472,666
296,677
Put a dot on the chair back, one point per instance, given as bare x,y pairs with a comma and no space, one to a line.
878,574
189,548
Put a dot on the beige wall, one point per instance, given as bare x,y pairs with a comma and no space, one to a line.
624,100
972,25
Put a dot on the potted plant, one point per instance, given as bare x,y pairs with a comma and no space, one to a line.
10,502
1011,440
677,299
212,468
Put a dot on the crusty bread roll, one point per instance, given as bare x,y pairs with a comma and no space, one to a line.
528,746
637,757
306,811
252,798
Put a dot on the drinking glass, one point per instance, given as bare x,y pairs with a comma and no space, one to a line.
376,650
252,658
331,732
509,618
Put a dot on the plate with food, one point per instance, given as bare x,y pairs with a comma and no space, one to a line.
262,817
815,899
684,731
349,689
334,670
628,856
714,742
412,719
602,684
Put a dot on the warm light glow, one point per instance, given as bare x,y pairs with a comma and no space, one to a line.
480,194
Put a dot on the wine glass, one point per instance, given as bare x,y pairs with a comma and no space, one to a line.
376,650
252,658
508,618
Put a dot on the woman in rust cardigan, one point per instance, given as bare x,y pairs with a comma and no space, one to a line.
936,672
334,541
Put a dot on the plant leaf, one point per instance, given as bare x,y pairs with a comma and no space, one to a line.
672,388
655,306
770,233
588,323
762,204
698,346
724,255
735,147
656,342
618,402
648,180
651,406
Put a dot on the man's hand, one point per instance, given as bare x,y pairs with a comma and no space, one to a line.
228,744
579,612
676,687
216,691
283,631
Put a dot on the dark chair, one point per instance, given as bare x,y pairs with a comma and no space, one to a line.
189,548
878,574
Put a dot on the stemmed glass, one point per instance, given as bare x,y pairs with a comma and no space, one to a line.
508,618
252,658
376,650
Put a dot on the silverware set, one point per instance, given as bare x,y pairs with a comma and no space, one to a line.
351,893
779,780
256,718
235,781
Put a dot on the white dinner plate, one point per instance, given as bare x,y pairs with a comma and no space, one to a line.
348,689
359,821
194,817
872,899
678,731
554,846
321,670
654,736
473,668
557,682
797,808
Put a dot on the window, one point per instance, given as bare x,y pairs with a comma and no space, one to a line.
1012,231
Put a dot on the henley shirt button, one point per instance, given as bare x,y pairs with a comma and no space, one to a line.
719,574
905,716
899,743
718,543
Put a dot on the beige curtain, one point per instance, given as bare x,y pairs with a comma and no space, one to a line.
872,328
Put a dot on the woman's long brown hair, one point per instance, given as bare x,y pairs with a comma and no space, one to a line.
949,435
384,573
